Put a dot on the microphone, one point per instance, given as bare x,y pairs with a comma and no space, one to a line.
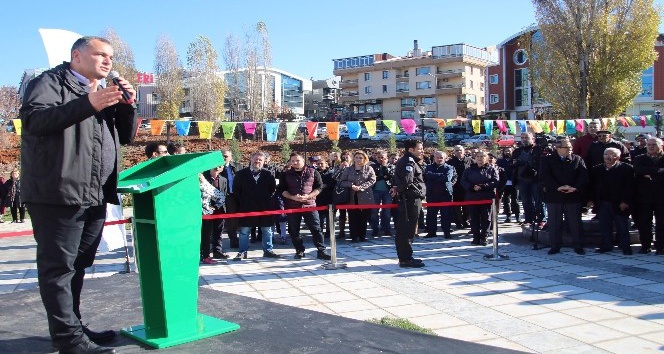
114,76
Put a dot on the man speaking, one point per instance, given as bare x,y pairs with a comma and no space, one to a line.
72,128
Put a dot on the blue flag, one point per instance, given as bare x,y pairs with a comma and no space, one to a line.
271,130
488,127
182,127
522,126
570,127
354,129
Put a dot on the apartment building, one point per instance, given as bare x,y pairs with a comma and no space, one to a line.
447,81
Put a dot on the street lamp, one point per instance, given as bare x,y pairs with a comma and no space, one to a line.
658,123
421,110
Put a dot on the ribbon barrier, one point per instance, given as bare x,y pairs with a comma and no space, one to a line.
30,233
495,256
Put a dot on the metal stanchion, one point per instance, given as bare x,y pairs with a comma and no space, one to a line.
495,256
127,268
333,264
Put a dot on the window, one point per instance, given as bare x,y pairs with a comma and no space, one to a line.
482,100
367,89
385,74
521,97
471,70
430,114
428,100
520,57
646,83
493,79
384,88
407,102
521,78
407,115
367,76
521,88
470,83
423,85
422,71
493,99
481,86
402,87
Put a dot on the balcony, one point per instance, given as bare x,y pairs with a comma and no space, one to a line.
403,92
446,74
348,83
402,78
447,89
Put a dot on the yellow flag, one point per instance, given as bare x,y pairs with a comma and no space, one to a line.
17,126
205,129
371,127
535,126
450,121
476,125
560,127
156,126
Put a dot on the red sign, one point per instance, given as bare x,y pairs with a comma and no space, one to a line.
145,78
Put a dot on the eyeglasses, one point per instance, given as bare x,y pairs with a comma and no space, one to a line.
226,156
602,134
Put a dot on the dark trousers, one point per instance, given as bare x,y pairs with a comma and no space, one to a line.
215,237
646,212
343,215
445,219
18,212
357,223
409,211
313,224
207,228
571,212
231,223
460,212
324,222
510,199
608,216
533,203
67,239
479,220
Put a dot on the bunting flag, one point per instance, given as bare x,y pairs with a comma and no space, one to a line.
332,130
272,131
488,126
622,121
570,127
612,123
534,126
522,125
156,126
391,125
450,121
580,125
512,125
552,126
312,129
354,130
501,126
250,128
370,125
182,127
630,121
408,126
560,127
291,129
588,121
546,127
18,126
605,123
642,120
228,128
650,120
476,125
205,129
440,122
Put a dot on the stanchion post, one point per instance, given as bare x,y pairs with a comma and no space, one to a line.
127,268
333,264
495,256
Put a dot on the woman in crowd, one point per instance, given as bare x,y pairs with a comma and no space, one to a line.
13,197
211,199
345,162
480,181
360,178
3,194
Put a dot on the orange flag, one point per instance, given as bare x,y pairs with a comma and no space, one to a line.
332,130
441,122
156,126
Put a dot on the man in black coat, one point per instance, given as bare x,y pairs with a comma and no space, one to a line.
613,186
649,195
564,177
460,162
230,169
595,155
253,188
439,178
510,195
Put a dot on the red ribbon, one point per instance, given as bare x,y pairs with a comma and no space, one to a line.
29,232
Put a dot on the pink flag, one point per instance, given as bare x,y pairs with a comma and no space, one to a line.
250,127
311,129
579,125
643,121
501,126
408,126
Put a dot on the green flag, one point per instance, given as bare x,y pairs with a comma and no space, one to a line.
291,129
391,125
229,129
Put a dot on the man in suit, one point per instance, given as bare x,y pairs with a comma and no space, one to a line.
230,169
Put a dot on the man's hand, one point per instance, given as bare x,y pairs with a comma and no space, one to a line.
104,98
477,188
355,188
128,87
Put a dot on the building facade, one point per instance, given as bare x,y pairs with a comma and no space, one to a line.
321,102
446,82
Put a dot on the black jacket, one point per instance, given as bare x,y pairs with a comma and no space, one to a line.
61,142
614,185
409,177
440,181
486,177
649,189
595,154
254,195
555,173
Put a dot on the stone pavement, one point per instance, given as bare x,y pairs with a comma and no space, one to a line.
566,303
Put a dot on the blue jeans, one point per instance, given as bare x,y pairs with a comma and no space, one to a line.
608,215
266,232
532,200
381,197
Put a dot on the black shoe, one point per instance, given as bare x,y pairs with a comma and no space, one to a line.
579,250
219,255
507,220
324,256
645,250
554,251
429,236
270,254
99,337
448,236
603,250
240,255
87,347
411,264
417,260
627,251
298,255
475,242
659,252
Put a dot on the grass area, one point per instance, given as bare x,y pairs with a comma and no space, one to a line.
400,323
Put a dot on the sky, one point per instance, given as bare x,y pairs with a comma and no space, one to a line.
305,35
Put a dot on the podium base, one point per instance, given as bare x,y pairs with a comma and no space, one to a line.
208,327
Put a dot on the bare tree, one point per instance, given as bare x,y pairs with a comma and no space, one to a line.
253,87
168,69
233,59
206,88
10,103
123,56
265,60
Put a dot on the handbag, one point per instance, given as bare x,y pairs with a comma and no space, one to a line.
341,195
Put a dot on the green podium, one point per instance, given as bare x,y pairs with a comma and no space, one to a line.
167,229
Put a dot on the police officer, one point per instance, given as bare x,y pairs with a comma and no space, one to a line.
409,184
